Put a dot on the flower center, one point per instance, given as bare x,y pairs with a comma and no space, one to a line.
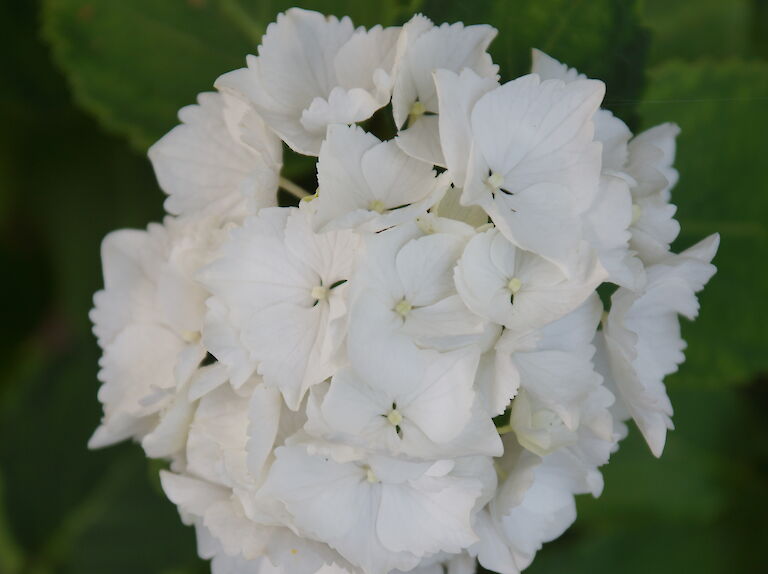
495,181
403,307
191,336
319,292
394,417
377,206
514,285
417,110
637,212
425,225
370,476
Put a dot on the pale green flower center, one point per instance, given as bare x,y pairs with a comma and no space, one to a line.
377,206
425,225
417,110
394,417
403,307
319,292
637,212
370,476
495,181
514,285
191,336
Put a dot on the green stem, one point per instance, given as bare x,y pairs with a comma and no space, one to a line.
293,189
242,20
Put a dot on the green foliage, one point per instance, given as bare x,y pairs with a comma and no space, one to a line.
602,38
159,54
134,64
695,29
697,508
721,108
192,42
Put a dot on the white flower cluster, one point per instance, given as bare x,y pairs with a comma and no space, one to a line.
411,371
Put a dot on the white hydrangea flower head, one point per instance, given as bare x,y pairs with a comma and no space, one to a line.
411,369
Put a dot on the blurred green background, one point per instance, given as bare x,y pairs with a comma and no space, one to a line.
87,85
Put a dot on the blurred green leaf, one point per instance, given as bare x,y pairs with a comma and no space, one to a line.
134,64
697,508
136,87
695,29
636,549
723,112
11,555
685,485
602,38
368,14
125,507
67,193
70,509
46,467
67,184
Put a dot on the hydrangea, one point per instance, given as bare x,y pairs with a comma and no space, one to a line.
411,370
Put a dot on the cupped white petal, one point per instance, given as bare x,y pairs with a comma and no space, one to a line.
206,166
369,184
642,336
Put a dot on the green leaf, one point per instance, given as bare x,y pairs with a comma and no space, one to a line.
72,510
695,29
721,108
368,14
10,551
699,508
683,486
45,425
636,549
602,38
126,526
134,64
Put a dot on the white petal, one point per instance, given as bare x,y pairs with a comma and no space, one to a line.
550,69
607,230
427,516
440,405
421,140
425,266
296,65
264,417
217,438
203,166
449,46
358,173
457,95
642,336
547,134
